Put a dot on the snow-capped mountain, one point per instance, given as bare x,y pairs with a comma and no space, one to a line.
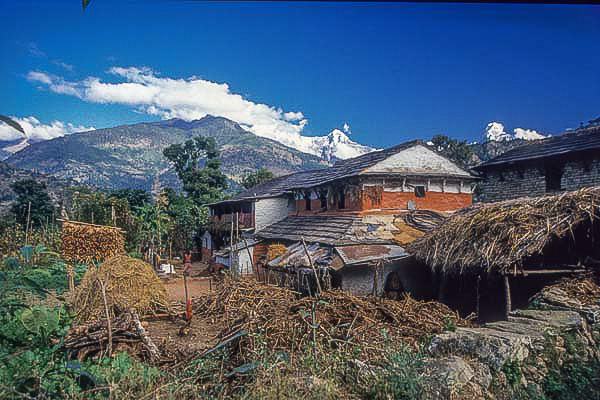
495,132
10,147
336,145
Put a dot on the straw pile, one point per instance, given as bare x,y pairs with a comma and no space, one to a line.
503,235
86,242
129,283
285,321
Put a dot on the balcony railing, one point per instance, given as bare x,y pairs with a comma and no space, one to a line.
245,220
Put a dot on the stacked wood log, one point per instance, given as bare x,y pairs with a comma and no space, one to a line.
126,334
129,284
88,243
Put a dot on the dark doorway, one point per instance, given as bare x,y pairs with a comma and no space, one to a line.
553,175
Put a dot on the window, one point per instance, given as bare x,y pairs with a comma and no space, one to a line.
341,199
553,175
419,191
323,198
307,200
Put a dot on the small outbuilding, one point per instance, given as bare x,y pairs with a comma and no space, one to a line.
490,258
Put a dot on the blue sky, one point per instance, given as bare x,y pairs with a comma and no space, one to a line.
393,72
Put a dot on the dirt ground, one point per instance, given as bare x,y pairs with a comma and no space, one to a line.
196,286
201,334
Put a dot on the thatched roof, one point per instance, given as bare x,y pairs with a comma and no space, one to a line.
529,232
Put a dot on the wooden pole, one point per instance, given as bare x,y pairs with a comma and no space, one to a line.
231,245
27,224
186,287
109,325
249,255
507,299
478,295
311,264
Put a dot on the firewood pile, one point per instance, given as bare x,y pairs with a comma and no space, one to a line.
126,334
129,283
87,243
337,318
584,289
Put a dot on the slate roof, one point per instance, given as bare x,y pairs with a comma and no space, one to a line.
320,229
580,140
361,254
306,179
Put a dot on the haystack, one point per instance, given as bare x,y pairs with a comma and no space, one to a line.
545,232
129,283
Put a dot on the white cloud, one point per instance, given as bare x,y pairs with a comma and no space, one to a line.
34,50
346,128
34,129
68,67
191,98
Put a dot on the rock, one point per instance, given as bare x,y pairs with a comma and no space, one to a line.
446,376
489,346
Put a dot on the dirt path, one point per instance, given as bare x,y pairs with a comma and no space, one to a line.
196,287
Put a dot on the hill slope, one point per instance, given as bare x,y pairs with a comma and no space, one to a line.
131,155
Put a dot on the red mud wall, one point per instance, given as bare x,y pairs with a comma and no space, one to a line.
435,201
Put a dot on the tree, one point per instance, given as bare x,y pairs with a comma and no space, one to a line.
202,185
30,191
260,176
455,150
135,197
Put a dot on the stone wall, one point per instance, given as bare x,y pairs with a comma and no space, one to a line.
504,183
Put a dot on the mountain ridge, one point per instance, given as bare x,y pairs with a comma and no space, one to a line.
131,155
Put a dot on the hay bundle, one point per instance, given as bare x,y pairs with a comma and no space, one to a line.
275,250
86,242
505,235
130,284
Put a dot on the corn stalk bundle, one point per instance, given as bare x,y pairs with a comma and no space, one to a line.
275,250
501,236
285,321
87,243
129,284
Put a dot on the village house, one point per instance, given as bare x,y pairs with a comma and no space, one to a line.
548,166
352,218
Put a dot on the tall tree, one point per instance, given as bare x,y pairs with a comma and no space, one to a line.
135,197
260,176
30,191
455,150
198,167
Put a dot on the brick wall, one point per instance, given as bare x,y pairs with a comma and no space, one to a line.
529,180
435,201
